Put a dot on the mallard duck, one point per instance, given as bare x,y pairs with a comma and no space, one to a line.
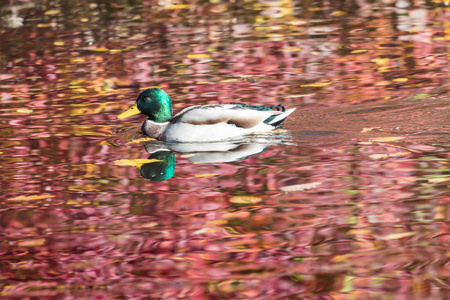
203,123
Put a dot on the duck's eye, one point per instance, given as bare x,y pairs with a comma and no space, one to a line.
146,98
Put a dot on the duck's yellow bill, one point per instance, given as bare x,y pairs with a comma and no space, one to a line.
134,110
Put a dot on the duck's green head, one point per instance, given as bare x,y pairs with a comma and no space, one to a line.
154,103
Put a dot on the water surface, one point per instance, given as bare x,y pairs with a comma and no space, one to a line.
349,201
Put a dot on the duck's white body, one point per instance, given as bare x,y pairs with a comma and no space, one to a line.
216,122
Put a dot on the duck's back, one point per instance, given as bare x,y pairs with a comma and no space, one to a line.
215,122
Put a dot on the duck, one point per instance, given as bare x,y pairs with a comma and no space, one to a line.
203,123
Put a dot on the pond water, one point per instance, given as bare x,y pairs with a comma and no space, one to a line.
350,200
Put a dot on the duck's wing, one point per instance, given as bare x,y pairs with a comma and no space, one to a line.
240,115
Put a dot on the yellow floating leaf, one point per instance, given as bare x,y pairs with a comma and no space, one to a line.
160,70
44,25
84,20
229,80
129,48
383,82
52,12
438,180
245,199
292,49
236,215
213,222
77,60
318,84
397,236
387,139
79,90
134,162
400,79
114,51
100,49
198,55
381,61
384,69
179,6
30,197
358,51
24,111
31,243
202,82
206,175
300,187
58,43
338,13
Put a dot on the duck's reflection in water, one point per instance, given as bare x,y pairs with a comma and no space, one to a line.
204,153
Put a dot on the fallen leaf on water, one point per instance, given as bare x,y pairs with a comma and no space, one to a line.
30,197
245,199
229,80
318,84
198,55
396,236
338,13
438,180
400,79
77,60
52,12
206,175
383,82
31,243
381,61
300,187
178,6
134,162
387,139
24,111
358,51
101,49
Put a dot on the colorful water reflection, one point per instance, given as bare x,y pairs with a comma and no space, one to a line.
350,202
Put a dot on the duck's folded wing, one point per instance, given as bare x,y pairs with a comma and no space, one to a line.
226,113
